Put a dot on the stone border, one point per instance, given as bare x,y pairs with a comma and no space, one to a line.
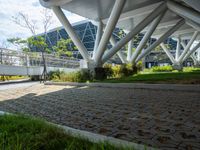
92,137
180,87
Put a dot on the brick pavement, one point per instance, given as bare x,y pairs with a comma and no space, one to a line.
166,119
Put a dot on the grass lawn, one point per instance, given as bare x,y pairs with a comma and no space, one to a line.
24,133
163,77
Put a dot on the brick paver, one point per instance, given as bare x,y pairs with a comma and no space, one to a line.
166,119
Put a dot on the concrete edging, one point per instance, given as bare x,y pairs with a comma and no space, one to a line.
93,137
180,87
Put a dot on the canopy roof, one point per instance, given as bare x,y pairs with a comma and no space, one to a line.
133,12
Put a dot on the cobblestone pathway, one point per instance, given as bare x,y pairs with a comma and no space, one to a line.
166,119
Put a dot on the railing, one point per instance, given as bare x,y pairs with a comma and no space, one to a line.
19,58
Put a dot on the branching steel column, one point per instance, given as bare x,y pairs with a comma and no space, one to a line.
114,16
129,53
136,30
168,53
119,53
184,46
62,18
198,55
161,39
180,59
191,51
184,11
98,36
178,48
147,35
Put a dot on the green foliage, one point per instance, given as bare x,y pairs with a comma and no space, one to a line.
79,76
63,47
190,69
20,43
162,69
19,132
118,71
38,42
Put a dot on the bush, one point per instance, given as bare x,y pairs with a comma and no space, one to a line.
119,71
162,69
190,69
79,76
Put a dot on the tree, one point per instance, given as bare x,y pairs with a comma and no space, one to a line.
25,21
38,43
21,44
64,47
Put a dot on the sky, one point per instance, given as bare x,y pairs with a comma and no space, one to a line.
32,8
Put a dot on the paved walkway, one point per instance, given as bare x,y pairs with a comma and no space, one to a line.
166,118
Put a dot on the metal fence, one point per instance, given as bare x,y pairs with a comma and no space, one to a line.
19,58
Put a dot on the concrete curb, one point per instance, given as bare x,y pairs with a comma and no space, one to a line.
15,81
180,87
92,137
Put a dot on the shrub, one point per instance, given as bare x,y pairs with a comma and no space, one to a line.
79,76
190,69
118,71
162,69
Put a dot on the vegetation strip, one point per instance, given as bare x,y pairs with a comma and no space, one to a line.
23,132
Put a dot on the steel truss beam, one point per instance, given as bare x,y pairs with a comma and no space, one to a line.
64,21
114,16
161,8
161,39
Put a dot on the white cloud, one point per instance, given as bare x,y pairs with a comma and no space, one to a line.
32,8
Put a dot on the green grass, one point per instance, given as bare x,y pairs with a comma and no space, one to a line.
4,78
164,77
19,132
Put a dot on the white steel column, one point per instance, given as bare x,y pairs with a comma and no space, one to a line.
161,39
198,55
119,53
178,48
129,53
135,31
180,59
147,35
98,36
62,18
184,11
168,53
114,16
191,51
194,59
